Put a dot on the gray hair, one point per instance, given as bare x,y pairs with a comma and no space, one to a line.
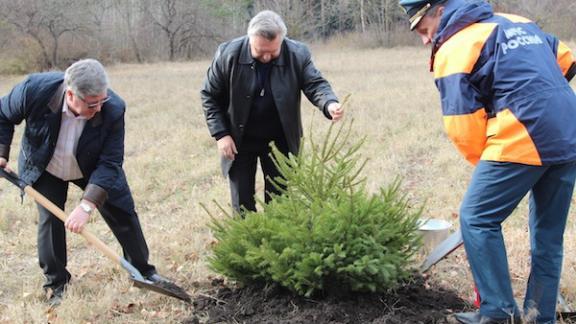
86,78
267,24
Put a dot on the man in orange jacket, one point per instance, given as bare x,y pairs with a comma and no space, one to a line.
510,111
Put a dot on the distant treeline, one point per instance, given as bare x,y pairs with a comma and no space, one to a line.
47,34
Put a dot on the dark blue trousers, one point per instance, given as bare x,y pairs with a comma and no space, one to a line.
495,190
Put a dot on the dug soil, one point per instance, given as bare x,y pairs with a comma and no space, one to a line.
416,302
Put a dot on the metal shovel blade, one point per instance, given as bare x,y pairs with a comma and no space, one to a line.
168,289
566,309
165,288
443,249
453,242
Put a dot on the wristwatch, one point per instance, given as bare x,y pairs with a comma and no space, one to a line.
86,208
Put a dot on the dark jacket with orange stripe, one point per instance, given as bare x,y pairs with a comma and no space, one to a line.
504,87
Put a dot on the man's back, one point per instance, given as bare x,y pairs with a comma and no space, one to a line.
506,65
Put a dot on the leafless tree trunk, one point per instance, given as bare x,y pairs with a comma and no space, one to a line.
179,22
146,30
45,21
362,18
127,11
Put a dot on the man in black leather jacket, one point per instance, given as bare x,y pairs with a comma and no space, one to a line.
251,97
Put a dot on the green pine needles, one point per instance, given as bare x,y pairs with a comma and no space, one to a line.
325,230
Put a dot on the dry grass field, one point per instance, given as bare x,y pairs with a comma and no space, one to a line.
173,166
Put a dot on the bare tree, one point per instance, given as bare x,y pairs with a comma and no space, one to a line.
148,30
173,17
129,11
96,15
362,17
44,21
234,15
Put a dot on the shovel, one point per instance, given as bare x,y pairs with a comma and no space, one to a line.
167,289
453,242
442,250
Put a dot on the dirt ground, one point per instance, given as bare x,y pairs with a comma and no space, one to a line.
415,302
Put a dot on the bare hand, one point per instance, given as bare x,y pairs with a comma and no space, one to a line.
227,147
4,165
77,219
335,111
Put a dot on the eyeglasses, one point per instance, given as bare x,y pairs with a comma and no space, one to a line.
93,105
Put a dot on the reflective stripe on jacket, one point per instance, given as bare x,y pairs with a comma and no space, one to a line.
504,87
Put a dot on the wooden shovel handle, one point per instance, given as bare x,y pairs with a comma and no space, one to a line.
39,198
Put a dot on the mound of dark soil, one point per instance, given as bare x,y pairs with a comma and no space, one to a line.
415,302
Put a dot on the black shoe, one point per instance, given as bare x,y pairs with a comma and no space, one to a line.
156,278
55,295
476,318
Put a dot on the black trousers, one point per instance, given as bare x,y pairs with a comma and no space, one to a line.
52,233
242,174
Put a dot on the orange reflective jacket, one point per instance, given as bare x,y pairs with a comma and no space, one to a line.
504,87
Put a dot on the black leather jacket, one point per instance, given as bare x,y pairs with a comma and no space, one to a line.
231,82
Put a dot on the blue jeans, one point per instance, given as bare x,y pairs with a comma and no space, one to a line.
495,190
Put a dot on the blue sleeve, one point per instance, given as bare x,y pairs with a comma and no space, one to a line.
13,109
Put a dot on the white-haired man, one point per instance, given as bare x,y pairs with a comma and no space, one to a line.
251,97
74,133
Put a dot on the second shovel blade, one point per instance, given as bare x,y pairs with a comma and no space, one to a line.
443,249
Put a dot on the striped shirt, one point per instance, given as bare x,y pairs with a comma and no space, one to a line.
63,164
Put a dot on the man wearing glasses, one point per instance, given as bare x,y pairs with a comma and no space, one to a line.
74,133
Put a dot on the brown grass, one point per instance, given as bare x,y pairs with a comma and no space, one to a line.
172,166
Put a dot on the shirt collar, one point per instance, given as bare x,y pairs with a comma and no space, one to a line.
70,114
